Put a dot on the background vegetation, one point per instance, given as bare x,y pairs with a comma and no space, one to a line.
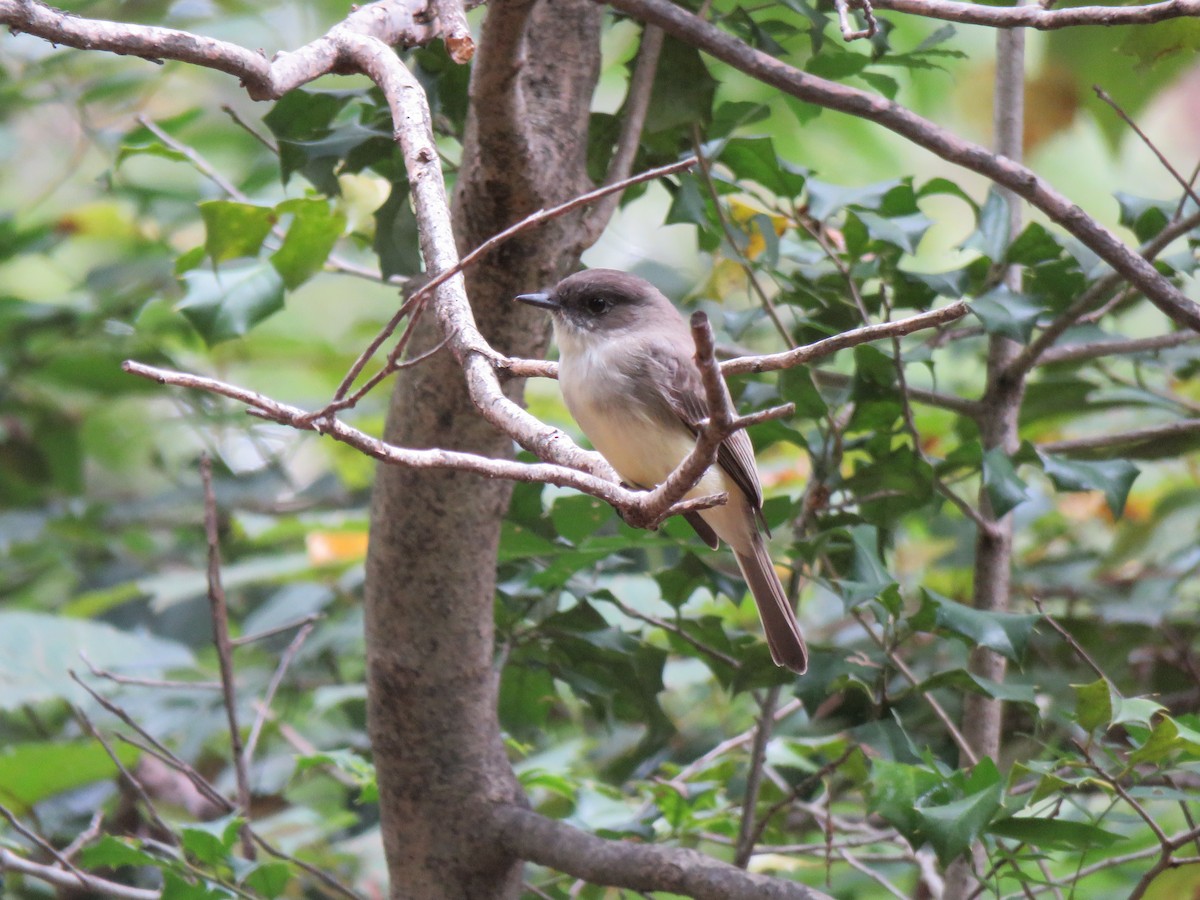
157,214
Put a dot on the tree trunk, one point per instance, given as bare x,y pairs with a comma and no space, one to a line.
431,564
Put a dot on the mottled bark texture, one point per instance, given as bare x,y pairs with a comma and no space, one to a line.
434,535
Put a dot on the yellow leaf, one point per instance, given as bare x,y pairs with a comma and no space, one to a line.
326,547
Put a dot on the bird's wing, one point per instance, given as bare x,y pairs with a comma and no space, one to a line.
684,394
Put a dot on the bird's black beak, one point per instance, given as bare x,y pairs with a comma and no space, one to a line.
544,299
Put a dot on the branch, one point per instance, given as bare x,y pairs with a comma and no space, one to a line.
1039,17
69,881
828,346
695,31
639,867
637,103
809,353
455,30
630,502
220,623
1093,296
392,21
1116,346
1124,438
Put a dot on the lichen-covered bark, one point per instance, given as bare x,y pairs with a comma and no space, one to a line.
434,535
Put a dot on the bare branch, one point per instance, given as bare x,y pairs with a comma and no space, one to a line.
1124,438
11,862
849,32
1039,17
414,304
220,622
264,708
637,102
633,502
1000,169
1117,347
642,867
455,30
747,833
1166,163
393,22
830,345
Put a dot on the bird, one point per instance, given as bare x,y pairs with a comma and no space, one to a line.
628,377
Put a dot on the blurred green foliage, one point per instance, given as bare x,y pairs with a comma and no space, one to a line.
629,657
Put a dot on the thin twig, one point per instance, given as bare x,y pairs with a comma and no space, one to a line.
147,682
849,32
743,261
964,748
637,103
220,623
1166,163
414,303
132,783
278,629
42,843
758,758
86,836
276,679
249,129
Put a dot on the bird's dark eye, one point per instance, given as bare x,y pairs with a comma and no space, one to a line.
597,305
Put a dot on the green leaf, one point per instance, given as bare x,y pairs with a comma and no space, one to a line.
1054,834
176,888
270,879
896,789
349,763
1006,633
235,229
227,303
953,827
1114,477
37,650
991,235
796,386
33,772
1145,217
825,199
1167,738
1034,245
314,230
961,680
1094,704
211,842
904,232
869,577
396,238
578,516
113,852
755,159
683,89
1005,312
1004,487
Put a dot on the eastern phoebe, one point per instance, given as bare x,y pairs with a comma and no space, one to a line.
628,377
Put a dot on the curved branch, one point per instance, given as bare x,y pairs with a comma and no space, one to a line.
1039,17
1026,184
394,22
638,867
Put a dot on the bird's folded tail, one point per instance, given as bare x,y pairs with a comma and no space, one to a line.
778,618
